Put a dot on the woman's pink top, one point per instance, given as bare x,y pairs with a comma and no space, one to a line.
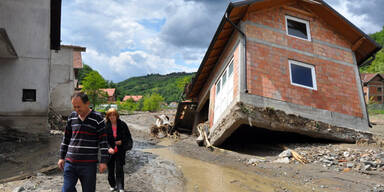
114,129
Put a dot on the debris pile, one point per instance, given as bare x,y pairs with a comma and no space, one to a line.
331,157
163,128
56,121
347,159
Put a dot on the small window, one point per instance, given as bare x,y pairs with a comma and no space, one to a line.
302,75
218,87
378,98
230,68
29,95
297,28
379,89
224,77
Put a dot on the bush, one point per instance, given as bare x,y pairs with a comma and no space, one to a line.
152,102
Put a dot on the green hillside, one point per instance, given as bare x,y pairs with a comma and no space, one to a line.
377,66
169,86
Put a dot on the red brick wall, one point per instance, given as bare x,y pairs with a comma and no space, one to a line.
268,67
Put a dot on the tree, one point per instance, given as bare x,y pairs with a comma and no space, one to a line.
152,102
377,66
83,72
92,83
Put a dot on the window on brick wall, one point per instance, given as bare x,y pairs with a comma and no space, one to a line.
302,74
297,28
379,89
379,98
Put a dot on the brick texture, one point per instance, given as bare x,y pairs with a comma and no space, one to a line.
268,68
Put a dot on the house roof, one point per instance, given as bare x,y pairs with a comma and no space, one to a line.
109,91
367,77
133,97
364,47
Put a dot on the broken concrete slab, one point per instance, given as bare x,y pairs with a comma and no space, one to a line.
278,120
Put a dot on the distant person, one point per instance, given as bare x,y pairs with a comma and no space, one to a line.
119,138
84,135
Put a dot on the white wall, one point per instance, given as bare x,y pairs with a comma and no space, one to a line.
27,24
62,77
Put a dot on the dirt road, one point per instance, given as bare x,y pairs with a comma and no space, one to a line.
180,165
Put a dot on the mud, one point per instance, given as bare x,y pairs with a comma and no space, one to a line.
180,165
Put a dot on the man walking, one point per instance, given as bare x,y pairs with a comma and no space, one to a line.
84,136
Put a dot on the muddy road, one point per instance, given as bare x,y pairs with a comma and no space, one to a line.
180,165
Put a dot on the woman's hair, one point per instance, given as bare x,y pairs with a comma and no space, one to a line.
110,112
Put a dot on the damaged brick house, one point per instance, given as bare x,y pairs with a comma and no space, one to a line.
373,85
283,65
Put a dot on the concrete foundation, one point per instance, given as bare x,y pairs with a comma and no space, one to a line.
278,120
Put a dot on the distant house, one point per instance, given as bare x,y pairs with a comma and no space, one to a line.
111,92
135,98
173,105
29,30
283,65
65,65
373,85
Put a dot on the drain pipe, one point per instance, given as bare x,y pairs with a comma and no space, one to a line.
245,49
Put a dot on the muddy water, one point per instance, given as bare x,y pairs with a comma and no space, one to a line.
204,176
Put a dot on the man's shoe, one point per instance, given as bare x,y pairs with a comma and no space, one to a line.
121,190
112,189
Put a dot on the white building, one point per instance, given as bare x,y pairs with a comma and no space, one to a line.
29,30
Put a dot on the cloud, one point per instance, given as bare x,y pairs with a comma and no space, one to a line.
136,37
366,15
132,63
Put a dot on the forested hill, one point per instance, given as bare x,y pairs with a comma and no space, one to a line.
169,86
377,66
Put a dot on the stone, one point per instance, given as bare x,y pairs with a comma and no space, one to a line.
18,189
350,165
286,153
285,160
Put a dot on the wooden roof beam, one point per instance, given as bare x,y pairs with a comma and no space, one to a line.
297,10
358,43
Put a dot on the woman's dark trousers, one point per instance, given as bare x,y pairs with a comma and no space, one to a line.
116,164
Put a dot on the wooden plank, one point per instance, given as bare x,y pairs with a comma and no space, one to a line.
27,175
357,44
298,10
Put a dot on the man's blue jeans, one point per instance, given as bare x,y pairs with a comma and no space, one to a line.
86,174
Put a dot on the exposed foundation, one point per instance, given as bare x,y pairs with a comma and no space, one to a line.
277,120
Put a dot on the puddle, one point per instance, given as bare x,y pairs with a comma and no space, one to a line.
203,176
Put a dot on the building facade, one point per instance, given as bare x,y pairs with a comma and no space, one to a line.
65,65
283,57
29,31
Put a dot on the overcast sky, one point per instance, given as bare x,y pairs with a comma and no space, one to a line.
126,38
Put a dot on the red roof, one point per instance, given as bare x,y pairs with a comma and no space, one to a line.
133,97
366,77
110,91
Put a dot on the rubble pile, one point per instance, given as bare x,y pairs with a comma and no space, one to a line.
56,121
335,157
344,159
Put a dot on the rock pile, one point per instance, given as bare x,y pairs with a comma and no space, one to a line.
343,159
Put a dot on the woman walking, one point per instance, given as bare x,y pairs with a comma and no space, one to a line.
119,140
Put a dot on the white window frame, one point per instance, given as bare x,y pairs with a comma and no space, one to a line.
300,21
226,71
313,73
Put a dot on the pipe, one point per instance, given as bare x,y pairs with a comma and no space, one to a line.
368,62
245,49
